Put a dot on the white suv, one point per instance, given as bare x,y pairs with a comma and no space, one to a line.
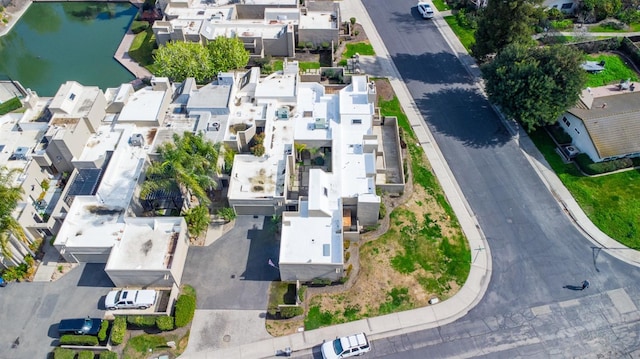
425,10
346,347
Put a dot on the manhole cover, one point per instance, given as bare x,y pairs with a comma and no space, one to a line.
226,338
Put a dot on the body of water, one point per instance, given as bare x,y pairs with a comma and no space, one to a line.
56,42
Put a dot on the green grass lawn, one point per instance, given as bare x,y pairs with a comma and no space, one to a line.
611,201
441,5
304,65
615,70
465,35
605,28
142,47
362,48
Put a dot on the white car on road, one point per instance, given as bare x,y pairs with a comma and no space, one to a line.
346,347
425,9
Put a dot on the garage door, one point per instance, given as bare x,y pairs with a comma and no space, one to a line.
254,210
91,257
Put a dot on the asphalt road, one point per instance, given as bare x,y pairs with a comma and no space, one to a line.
538,255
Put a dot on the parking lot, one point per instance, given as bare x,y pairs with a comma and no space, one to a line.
30,312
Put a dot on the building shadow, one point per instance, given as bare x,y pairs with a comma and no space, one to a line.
264,246
93,275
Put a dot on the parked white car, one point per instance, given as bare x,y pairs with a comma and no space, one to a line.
346,347
130,299
425,9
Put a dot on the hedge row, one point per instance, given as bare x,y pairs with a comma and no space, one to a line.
139,26
63,353
164,323
78,340
86,354
185,308
142,321
108,355
104,327
119,330
591,168
290,312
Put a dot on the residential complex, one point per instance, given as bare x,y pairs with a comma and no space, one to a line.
273,27
326,155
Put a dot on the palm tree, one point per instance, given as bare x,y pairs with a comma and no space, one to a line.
189,164
9,226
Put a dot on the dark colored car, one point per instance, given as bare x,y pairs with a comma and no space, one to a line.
3,283
90,326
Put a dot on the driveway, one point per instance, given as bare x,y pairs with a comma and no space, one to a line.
232,278
30,312
232,273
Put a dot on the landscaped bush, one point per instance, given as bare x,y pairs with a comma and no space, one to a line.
78,340
290,312
86,354
142,321
63,353
591,168
562,24
104,327
108,355
139,26
301,293
164,323
10,105
118,330
185,308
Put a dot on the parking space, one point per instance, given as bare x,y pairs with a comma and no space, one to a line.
30,312
233,272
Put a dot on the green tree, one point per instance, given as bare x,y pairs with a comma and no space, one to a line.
227,54
188,163
10,194
534,85
179,60
505,22
197,219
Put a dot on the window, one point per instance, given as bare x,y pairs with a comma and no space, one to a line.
326,192
566,122
578,132
567,6
356,121
72,96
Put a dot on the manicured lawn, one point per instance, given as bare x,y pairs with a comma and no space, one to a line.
605,28
465,35
611,201
615,70
142,47
303,66
441,5
362,48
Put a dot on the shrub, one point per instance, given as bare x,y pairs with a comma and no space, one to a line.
301,45
104,327
185,308
142,321
108,355
562,24
139,26
325,45
347,256
63,353
290,312
352,20
309,45
164,323
257,150
559,134
78,340
10,105
554,14
86,354
118,330
301,293
227,213
589,167
321,281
